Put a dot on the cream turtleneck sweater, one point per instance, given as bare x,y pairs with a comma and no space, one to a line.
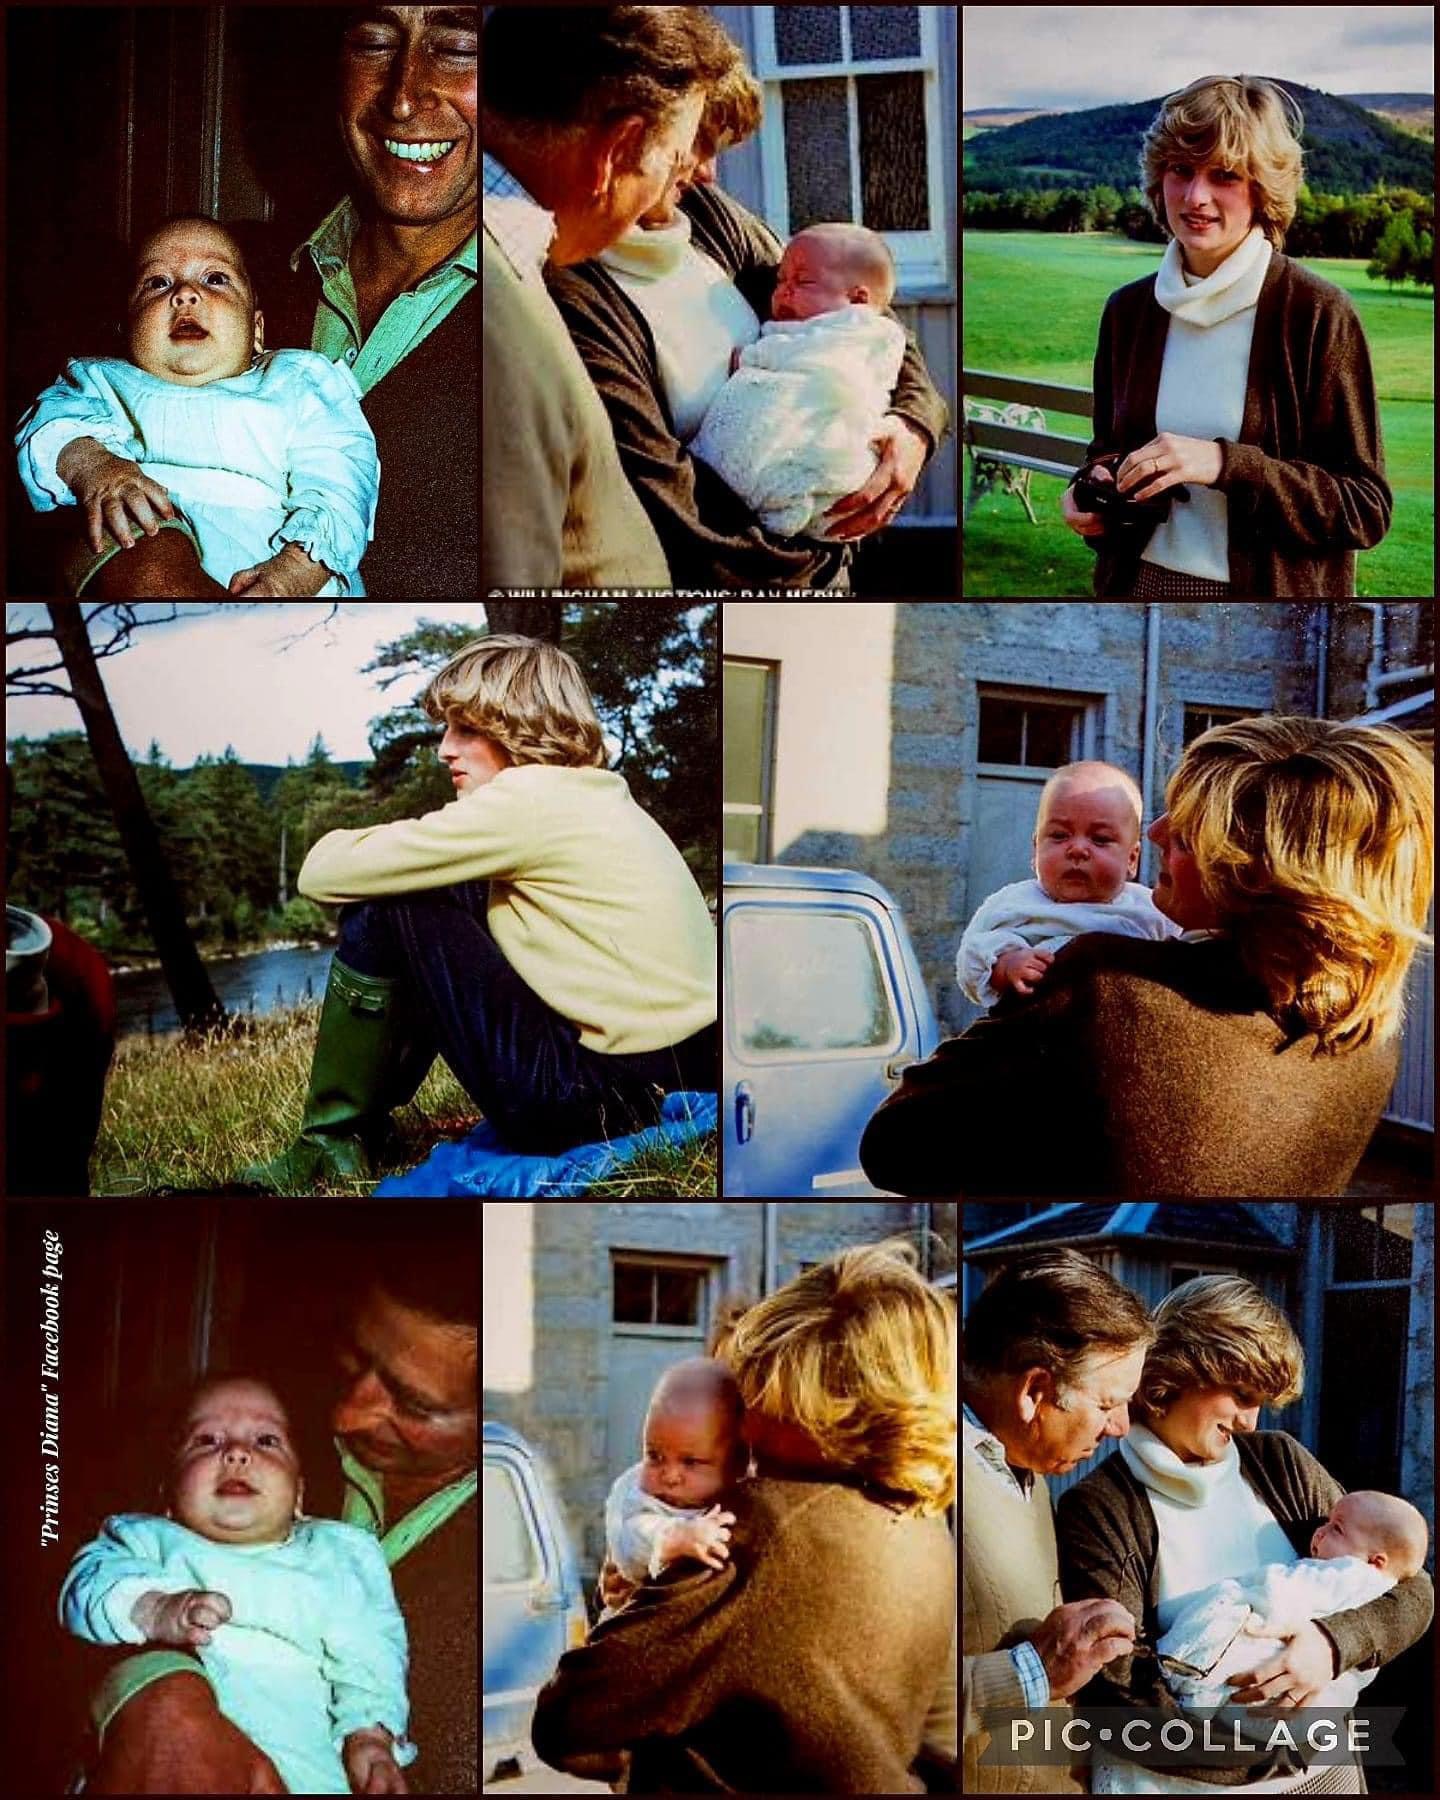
1202,390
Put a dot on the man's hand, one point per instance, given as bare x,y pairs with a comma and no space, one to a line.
903,448
1294,1677
707,1538
173,1739
1077,1640
370,1763
113,492
1020,970
288,573
181,1620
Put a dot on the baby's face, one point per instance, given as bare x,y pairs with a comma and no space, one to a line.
1345,1533
812,280
236,1477
689,1454
191,311
1087,843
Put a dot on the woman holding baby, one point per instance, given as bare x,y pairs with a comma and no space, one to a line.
1254,1052
1197,1496
817,1655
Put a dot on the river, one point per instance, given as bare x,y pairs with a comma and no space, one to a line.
262,982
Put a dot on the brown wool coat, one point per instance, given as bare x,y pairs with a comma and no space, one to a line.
1137,1070
1109,1542
1306,482
806,1665
436,1590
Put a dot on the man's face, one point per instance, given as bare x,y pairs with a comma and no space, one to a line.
409,1405
1087,842
408,113
1060,1430
614,181
190,309
236,1477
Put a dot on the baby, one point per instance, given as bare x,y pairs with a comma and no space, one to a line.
791,430
267,457
662,1510
1086,849
294,1619
1369,1542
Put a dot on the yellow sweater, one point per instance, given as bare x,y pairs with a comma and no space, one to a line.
590,902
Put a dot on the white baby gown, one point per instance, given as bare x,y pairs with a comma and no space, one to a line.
281,454
790,430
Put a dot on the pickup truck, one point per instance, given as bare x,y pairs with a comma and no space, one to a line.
825,1005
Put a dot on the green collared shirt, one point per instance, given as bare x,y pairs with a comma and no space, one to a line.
406,321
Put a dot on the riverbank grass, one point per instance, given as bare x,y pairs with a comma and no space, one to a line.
191,1115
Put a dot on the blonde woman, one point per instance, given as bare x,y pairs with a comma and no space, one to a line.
568,995
1196,1493
1234,373
1251,1055
819,1658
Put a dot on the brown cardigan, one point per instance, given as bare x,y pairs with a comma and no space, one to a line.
1109,1547
806,1665
1137,1070
1306,483
711,537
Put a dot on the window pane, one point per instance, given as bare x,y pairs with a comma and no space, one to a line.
632,1295
817,152
892,152
807,982
884,31
742,837
1000,730
807,34
1048,736
1362,1376
511,1553
1355,1234
744,733
1392,1261
677,1297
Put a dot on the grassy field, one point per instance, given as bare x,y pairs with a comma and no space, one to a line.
1032,306
190,1116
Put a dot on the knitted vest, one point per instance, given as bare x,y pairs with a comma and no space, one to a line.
1010,1582
436,1588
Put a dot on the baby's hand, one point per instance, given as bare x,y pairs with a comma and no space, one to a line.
185,1619
369,1764
706,1538
1020,969
115,493
288,573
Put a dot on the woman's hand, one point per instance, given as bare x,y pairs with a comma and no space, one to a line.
1084,523
1291,1679
1168,460
288,573
903,448
113,491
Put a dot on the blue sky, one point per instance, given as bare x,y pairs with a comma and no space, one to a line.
1068,57
264,679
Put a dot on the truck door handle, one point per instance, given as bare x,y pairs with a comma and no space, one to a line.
744,1113
895,1068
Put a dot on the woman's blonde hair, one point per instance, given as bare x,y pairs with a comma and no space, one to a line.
526,696
732,109
1219,1331
860,1352
1239,122
1315,844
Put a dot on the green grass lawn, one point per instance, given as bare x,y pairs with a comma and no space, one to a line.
1032,306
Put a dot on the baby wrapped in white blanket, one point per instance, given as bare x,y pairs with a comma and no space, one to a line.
791,430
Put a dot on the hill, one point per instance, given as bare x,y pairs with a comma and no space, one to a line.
1411,112
1347,148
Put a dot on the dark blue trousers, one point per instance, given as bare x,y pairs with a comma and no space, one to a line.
520,1061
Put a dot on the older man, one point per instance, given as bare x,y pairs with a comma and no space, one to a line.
589,112
385,284
1054,1348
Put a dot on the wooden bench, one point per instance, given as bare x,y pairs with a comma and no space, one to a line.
1006,436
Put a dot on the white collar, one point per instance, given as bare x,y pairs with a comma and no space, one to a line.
650,255
1156,1466
1230,289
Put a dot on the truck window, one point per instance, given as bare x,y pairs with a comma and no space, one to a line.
511,1553
804,981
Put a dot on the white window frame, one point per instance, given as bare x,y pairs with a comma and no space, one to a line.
748,809
920,256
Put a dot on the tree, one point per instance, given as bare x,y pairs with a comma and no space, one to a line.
527,618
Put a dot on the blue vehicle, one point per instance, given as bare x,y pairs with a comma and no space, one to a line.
825,1005
533,1605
